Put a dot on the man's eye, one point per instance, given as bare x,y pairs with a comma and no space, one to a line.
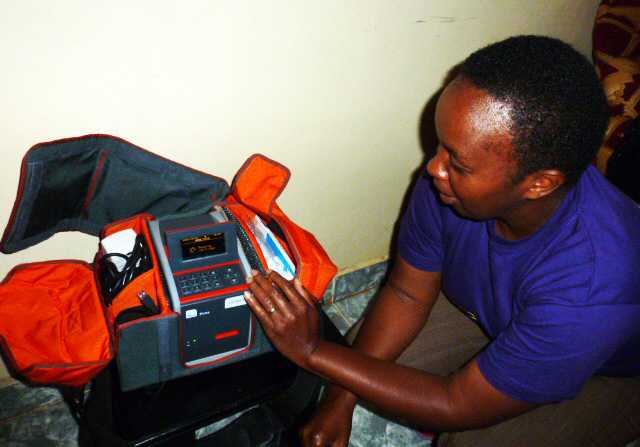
458,168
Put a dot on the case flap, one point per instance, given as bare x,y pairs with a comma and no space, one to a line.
86,182
314,267
259,182
257,185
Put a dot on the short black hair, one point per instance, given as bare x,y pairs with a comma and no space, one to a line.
559,111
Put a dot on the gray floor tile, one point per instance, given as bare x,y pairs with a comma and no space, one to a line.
17,398
337,318
353,308
49,425
371,430
353,283
327,298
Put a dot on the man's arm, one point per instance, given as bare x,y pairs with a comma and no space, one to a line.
461,401
464,400
396,317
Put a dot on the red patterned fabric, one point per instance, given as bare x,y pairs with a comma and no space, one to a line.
616,54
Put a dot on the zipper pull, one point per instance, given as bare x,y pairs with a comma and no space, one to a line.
148,302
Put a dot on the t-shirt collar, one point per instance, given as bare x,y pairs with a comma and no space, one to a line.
559,217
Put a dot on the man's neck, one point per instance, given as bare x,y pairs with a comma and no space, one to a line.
529,217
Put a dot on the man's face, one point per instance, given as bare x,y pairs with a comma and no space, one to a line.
473,166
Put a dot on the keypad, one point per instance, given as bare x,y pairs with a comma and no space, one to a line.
209,280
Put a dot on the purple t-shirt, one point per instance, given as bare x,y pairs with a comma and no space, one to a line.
559,306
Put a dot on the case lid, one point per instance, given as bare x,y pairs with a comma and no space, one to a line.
83,183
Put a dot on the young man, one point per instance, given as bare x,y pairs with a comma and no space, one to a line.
524,237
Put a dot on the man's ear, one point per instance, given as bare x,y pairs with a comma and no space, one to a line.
542,183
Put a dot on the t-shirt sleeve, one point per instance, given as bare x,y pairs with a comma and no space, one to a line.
551,349
420,238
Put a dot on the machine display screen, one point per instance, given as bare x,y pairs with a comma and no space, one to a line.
195,247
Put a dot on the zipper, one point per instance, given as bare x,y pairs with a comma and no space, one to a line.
245,241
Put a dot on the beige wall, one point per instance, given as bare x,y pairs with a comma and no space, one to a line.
333,89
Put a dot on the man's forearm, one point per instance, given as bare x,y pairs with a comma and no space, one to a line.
392,324
461,401
409,393
381,336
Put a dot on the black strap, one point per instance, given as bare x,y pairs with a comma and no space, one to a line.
75,398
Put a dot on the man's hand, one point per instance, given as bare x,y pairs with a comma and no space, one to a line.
330,424
288,315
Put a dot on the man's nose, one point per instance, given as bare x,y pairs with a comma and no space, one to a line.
436,167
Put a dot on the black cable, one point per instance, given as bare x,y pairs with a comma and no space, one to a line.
136,263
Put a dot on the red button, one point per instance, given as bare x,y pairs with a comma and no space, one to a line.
223,335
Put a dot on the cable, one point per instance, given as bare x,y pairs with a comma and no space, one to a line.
136,263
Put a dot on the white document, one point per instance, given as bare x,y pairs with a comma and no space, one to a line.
277,258
121,242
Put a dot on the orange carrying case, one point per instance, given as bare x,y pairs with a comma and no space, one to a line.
56,326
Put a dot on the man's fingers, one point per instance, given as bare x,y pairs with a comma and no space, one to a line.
271,297
263,288
255,284
282,305
259,280
286,287
260,290
304,435
258,309
310,439
302,291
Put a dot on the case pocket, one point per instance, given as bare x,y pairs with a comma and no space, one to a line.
53,327
136,300
144,295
